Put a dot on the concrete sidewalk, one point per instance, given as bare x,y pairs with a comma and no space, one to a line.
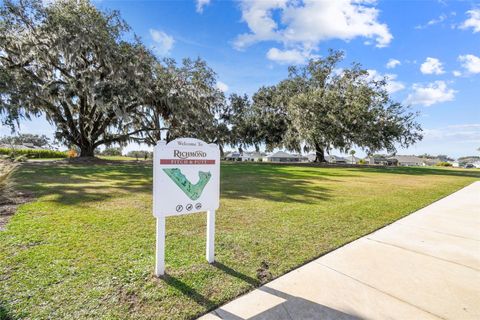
424,266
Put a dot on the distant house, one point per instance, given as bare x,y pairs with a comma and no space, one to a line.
281,156
374,159
431,162
455,164
408,161
476,164
381,160
352,160
244,156
252,156
335,159
301,157
311,157
232,156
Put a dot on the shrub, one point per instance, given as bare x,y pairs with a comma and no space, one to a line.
33,153
362,161
71,153
444,164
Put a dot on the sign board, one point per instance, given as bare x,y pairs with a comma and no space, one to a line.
186,179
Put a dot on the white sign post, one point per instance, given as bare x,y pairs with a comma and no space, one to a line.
186,179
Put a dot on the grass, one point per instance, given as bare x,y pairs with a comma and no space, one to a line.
85,247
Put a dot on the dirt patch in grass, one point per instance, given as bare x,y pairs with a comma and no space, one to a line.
263,273
8,208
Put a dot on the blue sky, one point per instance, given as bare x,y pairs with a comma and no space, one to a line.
433,48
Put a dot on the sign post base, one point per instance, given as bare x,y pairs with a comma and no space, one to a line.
160,248
210,253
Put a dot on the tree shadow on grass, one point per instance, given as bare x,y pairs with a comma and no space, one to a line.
419,171
334,170
271,183
77,184
73,184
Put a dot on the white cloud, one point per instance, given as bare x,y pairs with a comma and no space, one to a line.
287,56
392,84
392,63
302,25
201,4
469,132
456,73
430,94
432,22
472,22
432,66
470,63
454,140
465,126
163,42
222,86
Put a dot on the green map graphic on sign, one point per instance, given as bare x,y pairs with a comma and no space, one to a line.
193,191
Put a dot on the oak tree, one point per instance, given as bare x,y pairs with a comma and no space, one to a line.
322,107
72,63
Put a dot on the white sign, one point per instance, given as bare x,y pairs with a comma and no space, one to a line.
186,179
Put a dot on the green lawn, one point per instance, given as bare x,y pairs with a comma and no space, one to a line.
85,247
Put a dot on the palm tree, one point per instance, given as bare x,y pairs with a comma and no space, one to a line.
352,152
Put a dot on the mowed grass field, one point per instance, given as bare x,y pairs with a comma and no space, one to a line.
84,248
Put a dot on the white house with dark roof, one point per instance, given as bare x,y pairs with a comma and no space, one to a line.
253,156
244,156
408,161
281,156
335,159
232,156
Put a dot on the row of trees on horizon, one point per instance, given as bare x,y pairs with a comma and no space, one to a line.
98,84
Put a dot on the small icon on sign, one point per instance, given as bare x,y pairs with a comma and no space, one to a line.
179,208
189,206
198,206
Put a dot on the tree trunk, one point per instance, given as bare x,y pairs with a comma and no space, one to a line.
222,153
87,150
319,154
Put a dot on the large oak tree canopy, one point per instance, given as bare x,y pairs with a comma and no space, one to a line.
75,65
71,63
186,103
320,107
